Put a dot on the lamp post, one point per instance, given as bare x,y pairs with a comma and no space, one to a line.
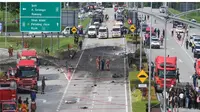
6,14
141,39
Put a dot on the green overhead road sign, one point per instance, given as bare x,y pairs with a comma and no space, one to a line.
40,16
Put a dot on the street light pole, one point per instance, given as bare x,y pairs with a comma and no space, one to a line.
149,96
141,40
6,25
165,54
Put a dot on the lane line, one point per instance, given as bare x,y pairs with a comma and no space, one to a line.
180,60
65,91
125,85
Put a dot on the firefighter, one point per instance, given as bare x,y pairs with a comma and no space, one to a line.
43,85
33,106
98,63
26,101
187,43
19,102
80,44
177,75
108,64
10,51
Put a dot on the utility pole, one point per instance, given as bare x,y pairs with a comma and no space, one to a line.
149,96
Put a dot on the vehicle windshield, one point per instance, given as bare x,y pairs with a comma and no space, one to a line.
154,39
27,72
197,47
9,107
102,30
179,27
116,29
197,39
169,73
92,29
144,25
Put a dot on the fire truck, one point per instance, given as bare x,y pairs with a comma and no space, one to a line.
171,67
197,67
27,75
29,54
8,95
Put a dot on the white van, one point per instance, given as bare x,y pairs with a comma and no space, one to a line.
66,31
119,23
116,31
103,32
92,31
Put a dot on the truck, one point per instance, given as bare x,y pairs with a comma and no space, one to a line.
27,75
8,95
29,54
171,67
197,67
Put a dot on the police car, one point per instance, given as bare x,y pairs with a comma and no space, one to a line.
155,42
116,31
103,32
196,51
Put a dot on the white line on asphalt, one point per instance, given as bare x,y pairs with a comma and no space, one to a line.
180,60
64,74
58,108
126,101
183,49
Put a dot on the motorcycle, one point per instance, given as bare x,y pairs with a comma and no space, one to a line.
106,17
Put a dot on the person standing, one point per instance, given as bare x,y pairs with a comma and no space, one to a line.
98,63
192,47
187,43
108,64
33,106
43,85
102,64
163,33
158,32
33,95
19,102
80,44
194,76
177,75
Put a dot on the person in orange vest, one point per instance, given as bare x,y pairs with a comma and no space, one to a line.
24,107
108,64
33,106
98,63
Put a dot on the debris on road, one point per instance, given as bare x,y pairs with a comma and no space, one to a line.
83,107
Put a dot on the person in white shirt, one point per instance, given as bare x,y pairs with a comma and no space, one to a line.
181,96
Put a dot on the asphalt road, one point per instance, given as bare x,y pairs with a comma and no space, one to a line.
94,89
176,48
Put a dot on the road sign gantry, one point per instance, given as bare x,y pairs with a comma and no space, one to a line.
40,16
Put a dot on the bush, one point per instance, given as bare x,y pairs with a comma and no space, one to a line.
134,67
13,27
137,53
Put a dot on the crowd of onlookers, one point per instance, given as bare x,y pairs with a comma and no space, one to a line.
183,97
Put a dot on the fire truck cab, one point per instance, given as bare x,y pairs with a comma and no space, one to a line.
29,54
27,74
8,95
197,67
171,67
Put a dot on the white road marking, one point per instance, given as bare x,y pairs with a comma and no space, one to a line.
180,60
43,100
126,100
59,105
110,98
64,74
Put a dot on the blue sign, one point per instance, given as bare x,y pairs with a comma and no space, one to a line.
1,27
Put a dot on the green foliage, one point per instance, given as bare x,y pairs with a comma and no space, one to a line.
137,53
132,38
173,11
12,7
1,74
136,95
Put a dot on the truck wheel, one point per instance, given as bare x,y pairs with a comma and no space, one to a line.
194,55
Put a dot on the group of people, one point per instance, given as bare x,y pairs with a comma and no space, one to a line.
186,97
23,106
101,62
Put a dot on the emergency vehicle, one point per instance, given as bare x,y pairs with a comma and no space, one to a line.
197,67
171,67
29,54
116,31
27,74
103,32
148,29
8,95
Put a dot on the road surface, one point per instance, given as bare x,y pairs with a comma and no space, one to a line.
96,90
176,48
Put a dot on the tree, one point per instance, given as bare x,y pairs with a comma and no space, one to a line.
12,7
